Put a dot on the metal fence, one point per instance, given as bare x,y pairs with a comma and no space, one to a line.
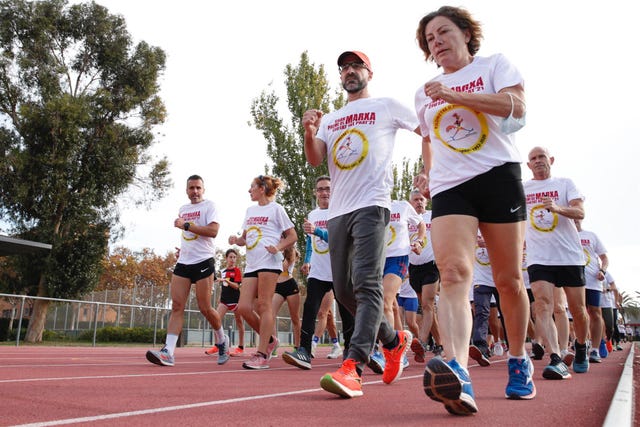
148,307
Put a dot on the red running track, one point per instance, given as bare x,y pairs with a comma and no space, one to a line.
116,386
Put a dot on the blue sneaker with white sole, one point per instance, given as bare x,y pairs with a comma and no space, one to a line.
449,383
520,384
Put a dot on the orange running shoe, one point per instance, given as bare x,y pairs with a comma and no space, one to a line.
418,350
345,382
393,358
212,350
237,351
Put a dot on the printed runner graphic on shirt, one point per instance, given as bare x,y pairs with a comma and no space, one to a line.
460,128
482,256
254,233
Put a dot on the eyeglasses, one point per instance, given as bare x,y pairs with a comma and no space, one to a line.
262,181
355,65
321,189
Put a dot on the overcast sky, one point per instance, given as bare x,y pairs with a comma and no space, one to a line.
581,88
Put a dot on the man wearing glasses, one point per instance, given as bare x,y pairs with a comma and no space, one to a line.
318,266
357,141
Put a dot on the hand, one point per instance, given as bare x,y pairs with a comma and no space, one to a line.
421,182
437,91
311,120
272,249
416,247
305,269
179,223
308,227
549,204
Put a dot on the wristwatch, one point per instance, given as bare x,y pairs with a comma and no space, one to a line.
186,226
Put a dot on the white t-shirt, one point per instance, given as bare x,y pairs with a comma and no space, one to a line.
406,290
264,226
402,214
193,247
525,272
608,296
427,251
552,239
593,248
467,143
320,260
482,274
360,138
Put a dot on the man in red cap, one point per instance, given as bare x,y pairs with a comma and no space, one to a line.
357,141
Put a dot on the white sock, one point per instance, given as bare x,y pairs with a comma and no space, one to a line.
219,335
512,356
171,342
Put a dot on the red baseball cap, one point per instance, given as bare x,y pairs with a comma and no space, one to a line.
364,58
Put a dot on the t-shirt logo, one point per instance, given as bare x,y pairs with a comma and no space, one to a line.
542,219
460,128
253,236
319,246
482,256
350,149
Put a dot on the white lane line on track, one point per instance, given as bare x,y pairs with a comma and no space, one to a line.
182,407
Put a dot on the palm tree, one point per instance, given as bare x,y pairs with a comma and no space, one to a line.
630,307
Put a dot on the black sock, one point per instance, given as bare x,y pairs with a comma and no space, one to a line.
393,344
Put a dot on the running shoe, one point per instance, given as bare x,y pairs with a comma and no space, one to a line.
393,364
603,350
405,361
520,385
212,350
556,370
618,347
449,383
418,350
594,357
437,350
609,346
272,347
581,362
257,361
314,345
336,352
223,350
538,351
162,357
376,362
298,358
567,357
497,349
479,355
345,382
237,351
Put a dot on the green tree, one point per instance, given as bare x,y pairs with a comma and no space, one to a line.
78,102
307,88
629,306
403,178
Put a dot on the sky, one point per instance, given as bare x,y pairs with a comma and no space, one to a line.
581,87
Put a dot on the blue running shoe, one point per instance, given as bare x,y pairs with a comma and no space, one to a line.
581,362
520,384
556,369
449,383
376,362
594,357
162,357
223,350
603,349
